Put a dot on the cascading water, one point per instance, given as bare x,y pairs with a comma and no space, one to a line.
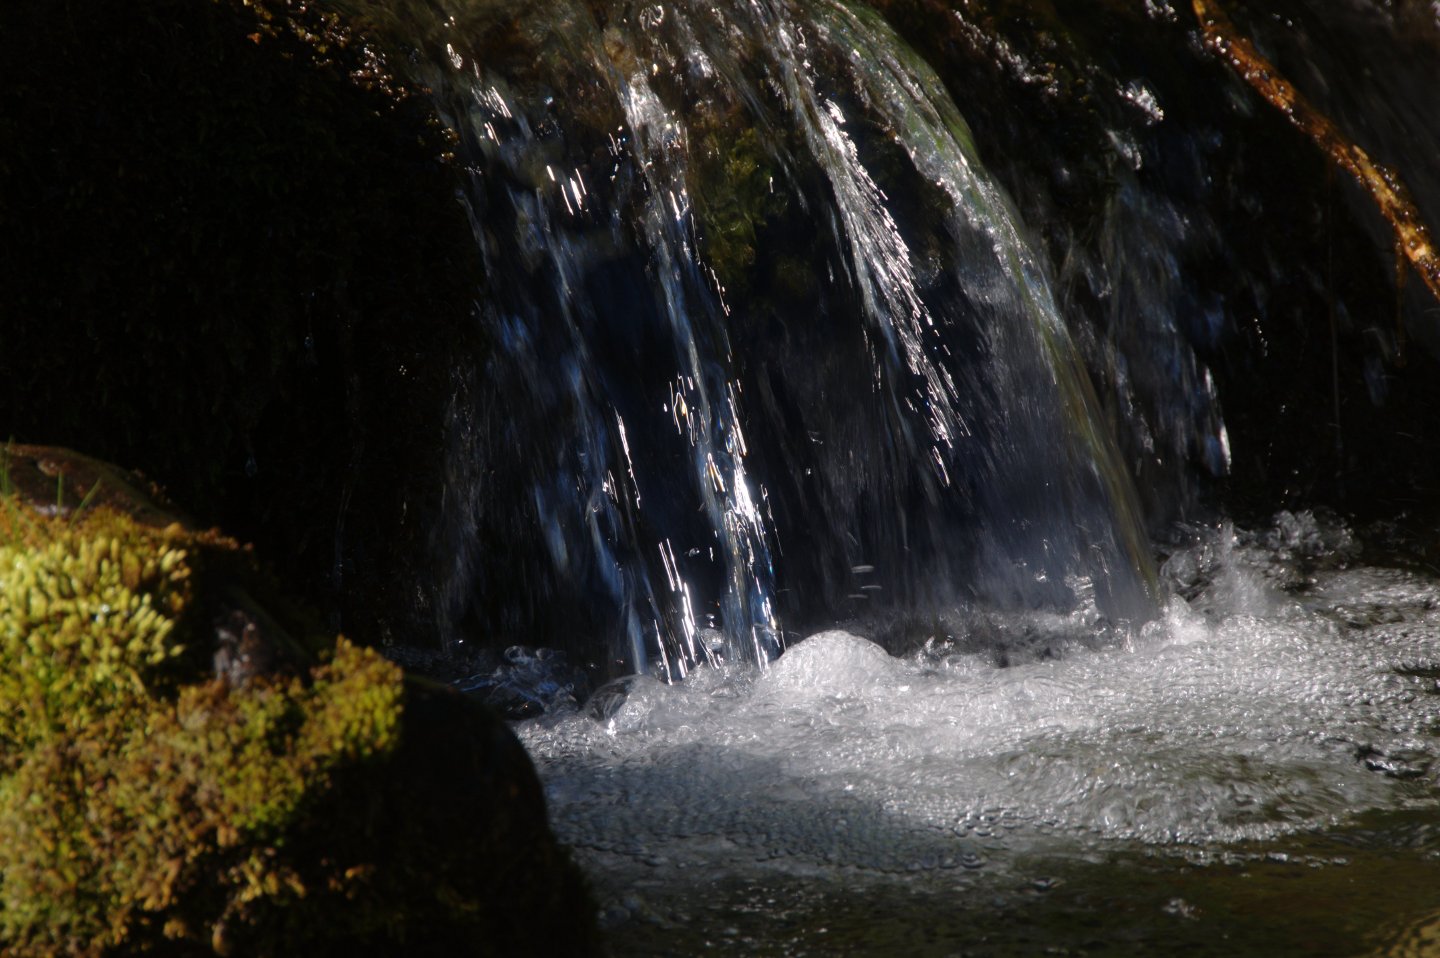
691,467
772,353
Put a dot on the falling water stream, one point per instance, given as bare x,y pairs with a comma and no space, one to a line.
790,416
707,464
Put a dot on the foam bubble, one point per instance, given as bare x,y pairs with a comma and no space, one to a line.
834,663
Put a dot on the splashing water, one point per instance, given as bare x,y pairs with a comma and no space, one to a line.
1282,691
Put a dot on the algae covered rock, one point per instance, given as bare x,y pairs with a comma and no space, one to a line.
153,803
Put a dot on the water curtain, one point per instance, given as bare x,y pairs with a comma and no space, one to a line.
769,344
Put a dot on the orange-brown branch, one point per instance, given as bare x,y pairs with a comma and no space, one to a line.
1384,185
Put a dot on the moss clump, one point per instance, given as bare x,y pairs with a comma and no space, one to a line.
134,801
86,624
149,806
735,193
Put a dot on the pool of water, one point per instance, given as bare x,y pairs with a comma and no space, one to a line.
1254,772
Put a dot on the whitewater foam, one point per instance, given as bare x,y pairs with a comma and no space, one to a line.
1255,708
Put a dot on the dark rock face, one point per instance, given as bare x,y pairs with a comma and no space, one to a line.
463,792
1160,182
234,262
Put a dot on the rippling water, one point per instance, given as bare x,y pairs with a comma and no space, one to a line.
1287,691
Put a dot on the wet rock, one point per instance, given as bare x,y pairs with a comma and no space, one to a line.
1397,763
612,696
522,682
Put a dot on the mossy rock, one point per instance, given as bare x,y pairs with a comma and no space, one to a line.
156,801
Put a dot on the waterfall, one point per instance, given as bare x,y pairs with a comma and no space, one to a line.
770,346
773,355
903,329
946,476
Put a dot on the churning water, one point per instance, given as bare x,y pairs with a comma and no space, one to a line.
1285,690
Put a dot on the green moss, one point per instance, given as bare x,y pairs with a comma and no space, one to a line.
150,807
87,618
136,796
733,182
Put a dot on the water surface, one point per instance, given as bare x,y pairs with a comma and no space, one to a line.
1252,770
